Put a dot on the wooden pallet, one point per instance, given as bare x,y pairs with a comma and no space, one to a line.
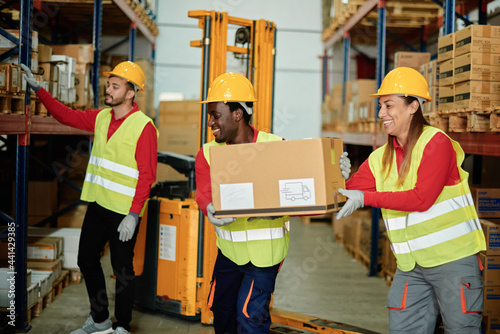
464,120
326,218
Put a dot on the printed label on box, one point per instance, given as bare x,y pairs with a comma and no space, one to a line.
489,204
168,237
494,240
236,196
297,192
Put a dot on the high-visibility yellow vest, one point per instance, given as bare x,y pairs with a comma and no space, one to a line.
448,231
262,242
112,173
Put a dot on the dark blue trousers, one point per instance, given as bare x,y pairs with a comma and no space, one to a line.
240,296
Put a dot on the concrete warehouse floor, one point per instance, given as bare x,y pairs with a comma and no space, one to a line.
318,278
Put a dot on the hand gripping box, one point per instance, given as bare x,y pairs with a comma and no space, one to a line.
296,177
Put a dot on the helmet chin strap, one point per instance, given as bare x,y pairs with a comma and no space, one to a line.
244,105
421,100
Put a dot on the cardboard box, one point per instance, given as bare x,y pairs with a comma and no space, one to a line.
446,97
432,75
480,95
42,197
411,59
83,53
477,38
44,53
477,66
44,248
4,76
491,229
446,47
446,70
491,272
433,105
491,325
49,72
255,172
71,238
491,297
364,105
487,202
6,43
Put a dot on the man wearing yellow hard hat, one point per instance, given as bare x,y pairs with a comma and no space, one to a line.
121,169
417,180
251,250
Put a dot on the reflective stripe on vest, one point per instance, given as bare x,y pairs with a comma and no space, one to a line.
435,211
449,230
110,185
115,167
264,242
252,235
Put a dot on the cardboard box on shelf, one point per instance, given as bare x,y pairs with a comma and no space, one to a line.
477,38
491,229
446,97
487,201
491,324
83,53
4,76
446,47
446,73
49,72
477,66
432,75
491,272
411,59
44,248
364,105
6,43
44,53
71,238
433,105
491,298
267,189
477,95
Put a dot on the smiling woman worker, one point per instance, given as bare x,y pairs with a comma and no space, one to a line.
428,211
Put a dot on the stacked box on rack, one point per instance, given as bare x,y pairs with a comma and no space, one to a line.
490,274
67,72
477,68
81,91
6,44
411,59
446,55
364,105
71,238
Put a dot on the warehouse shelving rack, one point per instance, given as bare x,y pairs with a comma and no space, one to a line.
121,15
472,143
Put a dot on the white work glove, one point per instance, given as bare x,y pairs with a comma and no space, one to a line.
345,165
30,80
127,226
217,221
355,200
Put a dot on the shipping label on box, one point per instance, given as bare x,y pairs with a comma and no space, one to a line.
248,180
491,272
446,47
487,201
477,66
491,231
477,95
478,38
446,73
491,297
446,97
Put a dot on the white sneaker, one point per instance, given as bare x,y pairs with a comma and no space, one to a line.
90,327
120,330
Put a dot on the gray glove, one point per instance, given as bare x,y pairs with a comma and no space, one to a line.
345,165
30,80
355,200
127,226
217,221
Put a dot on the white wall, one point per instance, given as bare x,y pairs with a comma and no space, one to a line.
298,69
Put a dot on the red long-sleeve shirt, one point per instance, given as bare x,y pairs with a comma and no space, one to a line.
438,168
145,153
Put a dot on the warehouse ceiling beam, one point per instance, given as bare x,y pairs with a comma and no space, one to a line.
367,7
129,12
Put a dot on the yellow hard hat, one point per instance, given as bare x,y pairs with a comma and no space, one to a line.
129,71
230,87
404,81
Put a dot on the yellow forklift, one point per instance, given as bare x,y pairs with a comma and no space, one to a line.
175,251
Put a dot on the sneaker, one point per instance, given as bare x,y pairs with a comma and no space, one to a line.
120,330
90,327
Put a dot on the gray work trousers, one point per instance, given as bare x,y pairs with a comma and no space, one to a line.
454,289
